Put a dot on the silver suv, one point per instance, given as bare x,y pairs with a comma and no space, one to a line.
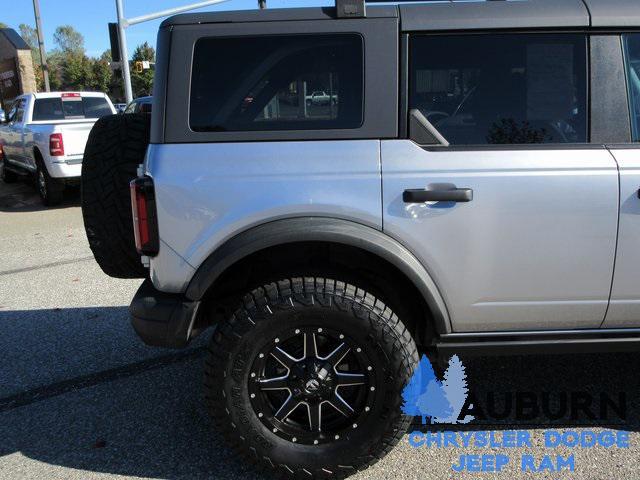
473,187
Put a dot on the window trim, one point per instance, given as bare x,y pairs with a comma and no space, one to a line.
488,147
380,94
633,126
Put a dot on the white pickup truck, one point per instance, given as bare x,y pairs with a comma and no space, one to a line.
44,136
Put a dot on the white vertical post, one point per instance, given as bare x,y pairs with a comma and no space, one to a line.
124,54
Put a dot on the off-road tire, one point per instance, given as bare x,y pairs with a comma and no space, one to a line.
116,146
288,304
51,190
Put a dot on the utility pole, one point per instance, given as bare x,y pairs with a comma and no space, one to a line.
123,23
124,54
43,55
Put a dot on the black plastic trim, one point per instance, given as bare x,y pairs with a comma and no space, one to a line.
320,229
381,41
163,319
610,118
552,342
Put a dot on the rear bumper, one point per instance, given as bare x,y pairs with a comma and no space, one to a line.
58,169
163,319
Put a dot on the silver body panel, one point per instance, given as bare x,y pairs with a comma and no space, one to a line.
534,249
624,310
207,193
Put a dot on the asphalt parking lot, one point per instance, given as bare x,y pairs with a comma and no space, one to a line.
82,397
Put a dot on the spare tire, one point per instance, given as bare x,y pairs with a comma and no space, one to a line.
116,146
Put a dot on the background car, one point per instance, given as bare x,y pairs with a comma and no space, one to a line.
139,105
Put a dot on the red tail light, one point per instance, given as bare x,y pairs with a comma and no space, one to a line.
56,145
145,222
1,149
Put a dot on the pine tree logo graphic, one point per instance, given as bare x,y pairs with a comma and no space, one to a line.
436,401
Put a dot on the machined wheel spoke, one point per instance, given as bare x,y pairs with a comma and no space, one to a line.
310,348
335,357
340,404
283,357
276,383
315,417
287,407
350,379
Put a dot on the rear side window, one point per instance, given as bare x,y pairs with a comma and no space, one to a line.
282,82
632,60
52,109
502,89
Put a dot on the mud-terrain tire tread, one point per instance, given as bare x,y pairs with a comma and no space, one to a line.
298,293
116,146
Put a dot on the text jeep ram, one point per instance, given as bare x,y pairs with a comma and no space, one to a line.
474,187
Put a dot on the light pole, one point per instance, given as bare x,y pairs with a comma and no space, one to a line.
43,55
123,23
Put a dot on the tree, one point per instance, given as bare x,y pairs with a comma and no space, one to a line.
417,386
101,75
69,40
433,403
3,25
456,391
30,36
142,83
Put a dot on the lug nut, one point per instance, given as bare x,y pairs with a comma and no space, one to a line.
315,442
277,340
341,336
260,415
373,388
366,409
261,355
253,375
337,437
369,368
297,331
319,330
253,395
275,430
358,349
294,439
355,425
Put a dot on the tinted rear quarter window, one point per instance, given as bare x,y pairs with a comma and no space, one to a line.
502,89
280,82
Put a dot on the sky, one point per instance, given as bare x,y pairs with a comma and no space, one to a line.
90,17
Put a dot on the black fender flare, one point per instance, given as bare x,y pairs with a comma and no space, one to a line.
319,229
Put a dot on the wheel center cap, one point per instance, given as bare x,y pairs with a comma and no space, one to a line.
312,386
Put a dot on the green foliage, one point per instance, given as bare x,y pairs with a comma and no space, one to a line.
142,83
3,25
68,39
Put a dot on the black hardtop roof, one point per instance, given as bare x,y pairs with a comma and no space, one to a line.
453,15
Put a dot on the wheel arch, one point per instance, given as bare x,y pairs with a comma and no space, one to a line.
283,237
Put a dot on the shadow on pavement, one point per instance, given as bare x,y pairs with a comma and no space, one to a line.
146,417
22,196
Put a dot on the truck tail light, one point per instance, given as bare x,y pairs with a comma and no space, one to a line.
1,149
145,221
56,145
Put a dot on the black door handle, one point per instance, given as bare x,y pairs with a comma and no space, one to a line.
421,195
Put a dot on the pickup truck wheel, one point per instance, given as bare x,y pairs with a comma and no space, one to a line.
116,146
7,175
305,378
51,190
